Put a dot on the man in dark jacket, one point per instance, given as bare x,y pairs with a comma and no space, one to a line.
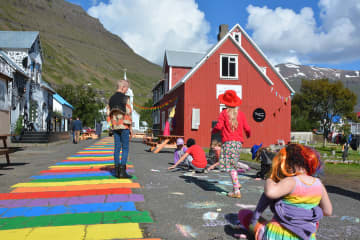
119,116
77,127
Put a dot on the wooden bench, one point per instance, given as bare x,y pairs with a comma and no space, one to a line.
5,151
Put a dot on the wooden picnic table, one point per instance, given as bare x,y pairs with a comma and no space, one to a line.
4,150
166,141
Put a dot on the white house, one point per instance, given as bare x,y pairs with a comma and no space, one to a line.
60,105
135,116
30,96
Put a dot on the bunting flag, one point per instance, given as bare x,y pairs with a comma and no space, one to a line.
156,107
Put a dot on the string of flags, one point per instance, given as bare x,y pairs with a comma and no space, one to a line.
156,107
283,98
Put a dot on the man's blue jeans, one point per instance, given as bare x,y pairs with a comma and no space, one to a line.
121,139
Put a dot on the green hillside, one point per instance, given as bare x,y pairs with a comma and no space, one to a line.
76,47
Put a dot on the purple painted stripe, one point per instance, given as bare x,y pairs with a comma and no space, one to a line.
125,198
111,198
83,172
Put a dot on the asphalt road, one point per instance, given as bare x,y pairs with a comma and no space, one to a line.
185,205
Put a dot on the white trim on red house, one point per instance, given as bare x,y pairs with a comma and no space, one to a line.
263,55
170,78
228,35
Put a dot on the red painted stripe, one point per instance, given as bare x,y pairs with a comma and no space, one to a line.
7,196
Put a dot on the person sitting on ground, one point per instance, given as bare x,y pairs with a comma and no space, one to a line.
193,158
297,199
216,148
180,149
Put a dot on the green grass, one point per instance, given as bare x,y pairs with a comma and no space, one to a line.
351,171
328,153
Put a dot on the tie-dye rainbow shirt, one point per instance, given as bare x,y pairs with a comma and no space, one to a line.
304,196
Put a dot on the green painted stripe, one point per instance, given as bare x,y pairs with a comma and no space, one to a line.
76,179
76,219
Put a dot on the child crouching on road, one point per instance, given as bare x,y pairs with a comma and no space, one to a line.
180,149
194,157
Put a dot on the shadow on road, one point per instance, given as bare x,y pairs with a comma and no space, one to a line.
4,166
204,184
344,192
111,170
233,229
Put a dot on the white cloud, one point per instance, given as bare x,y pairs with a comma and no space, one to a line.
336,40
150,28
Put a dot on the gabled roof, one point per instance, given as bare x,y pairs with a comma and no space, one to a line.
263,55
257,67
61,100
17,39
182,58
14,65
47,86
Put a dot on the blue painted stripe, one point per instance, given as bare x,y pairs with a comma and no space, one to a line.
84,162
70,209
72,175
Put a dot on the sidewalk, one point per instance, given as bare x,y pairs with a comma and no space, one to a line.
77,198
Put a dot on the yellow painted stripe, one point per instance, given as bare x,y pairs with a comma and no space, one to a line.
73,183
15,234
113,231
76,232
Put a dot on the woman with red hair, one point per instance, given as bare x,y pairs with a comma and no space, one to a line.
297,199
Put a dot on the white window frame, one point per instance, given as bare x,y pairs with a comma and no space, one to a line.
195,118
222,107
237,34
236,66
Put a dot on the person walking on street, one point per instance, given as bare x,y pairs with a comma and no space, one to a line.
98,129
231,123
119,115
77,127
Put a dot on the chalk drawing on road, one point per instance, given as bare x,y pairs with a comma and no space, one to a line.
340,232
247,206
152,185
350,219
177,193
209,216
211,221
207,204
186,231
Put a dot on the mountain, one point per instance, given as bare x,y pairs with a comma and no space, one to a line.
294,73
77,49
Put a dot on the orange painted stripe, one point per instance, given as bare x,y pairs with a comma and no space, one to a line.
76,188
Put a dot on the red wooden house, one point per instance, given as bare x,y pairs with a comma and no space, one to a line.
196,79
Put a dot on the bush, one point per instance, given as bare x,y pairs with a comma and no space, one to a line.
19,125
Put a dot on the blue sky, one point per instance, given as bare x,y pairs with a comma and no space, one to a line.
323,33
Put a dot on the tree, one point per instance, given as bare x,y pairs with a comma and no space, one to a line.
146,115
84,99
321,100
